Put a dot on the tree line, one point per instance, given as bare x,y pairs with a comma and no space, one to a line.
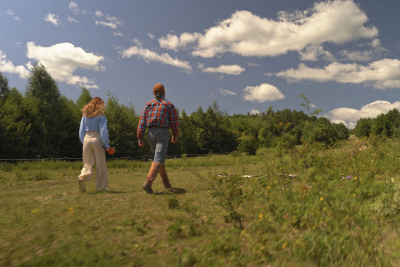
384,125
41,123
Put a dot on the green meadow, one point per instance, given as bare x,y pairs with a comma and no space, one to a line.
301,206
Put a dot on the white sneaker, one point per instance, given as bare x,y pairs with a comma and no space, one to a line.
81,183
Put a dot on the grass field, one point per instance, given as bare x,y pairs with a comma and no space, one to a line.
303,207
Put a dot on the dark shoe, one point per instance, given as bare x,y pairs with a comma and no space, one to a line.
147,187
166,185
81,183
102,190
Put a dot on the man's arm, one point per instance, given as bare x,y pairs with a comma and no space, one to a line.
174,123
141,127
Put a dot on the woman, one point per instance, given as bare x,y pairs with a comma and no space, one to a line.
93,134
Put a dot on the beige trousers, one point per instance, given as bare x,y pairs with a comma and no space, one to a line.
94,153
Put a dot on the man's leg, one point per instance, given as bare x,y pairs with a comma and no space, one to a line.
158,140
164,176
160,154
151,176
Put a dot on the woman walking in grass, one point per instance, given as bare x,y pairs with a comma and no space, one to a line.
93,133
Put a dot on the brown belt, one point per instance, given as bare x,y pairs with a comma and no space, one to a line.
150,127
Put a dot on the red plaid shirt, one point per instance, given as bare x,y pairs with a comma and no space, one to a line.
158,113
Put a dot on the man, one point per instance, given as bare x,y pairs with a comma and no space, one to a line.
158,116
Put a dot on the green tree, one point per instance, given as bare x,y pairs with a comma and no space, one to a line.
122,125
249,140
213,133
321,131
84,98
218,137
384,125
380,126
392,122
14,126
45,112
67,143
247,144
363,127
198,118
342,132
4,89
395,124
267,134
188,135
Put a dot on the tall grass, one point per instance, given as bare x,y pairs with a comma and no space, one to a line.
293,206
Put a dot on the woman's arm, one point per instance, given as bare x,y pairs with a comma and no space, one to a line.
104,132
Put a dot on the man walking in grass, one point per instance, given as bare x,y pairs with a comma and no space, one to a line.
158,116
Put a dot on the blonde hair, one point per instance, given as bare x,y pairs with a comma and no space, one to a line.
95,106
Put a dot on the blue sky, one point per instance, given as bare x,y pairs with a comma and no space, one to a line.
344,55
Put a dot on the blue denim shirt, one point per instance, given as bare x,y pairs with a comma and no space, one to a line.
98,124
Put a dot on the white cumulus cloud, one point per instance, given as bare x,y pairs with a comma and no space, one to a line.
247,34
226,69
11,13
112,25
262,93
350,116
75,9
254,111
149,55
226,92
375,51
109,21
174,42
314,52
98,13
52,18
8,66
61,60
381,74
72,20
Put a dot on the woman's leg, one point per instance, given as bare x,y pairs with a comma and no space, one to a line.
88,162
101,164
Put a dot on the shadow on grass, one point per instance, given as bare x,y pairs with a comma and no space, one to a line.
172,191
106,192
